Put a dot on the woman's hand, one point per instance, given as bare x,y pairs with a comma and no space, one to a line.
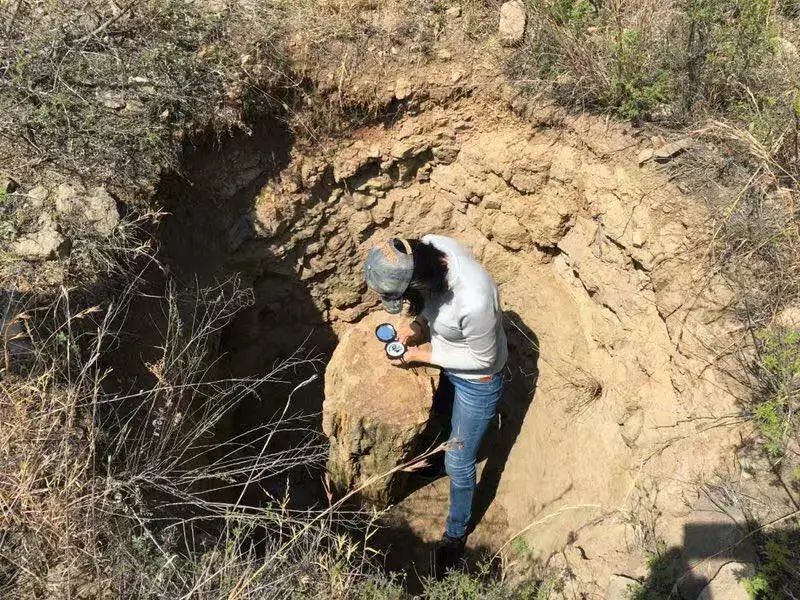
413,355
412,334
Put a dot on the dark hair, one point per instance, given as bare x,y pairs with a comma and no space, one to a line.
429,276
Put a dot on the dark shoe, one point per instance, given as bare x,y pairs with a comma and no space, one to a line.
449,555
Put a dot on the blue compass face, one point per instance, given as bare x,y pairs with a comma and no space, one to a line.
385,332
395,349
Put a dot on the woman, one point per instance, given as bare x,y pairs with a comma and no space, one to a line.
456,305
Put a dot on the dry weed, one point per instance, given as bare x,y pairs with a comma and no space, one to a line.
107,91
134,493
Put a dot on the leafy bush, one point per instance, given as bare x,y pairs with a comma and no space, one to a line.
728,41
635,90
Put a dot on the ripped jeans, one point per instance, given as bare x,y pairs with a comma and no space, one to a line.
474,406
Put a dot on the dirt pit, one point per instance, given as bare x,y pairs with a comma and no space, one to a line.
618,408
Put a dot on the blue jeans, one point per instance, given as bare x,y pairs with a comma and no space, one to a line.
474,406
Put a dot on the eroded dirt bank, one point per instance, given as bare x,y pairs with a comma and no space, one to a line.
619,404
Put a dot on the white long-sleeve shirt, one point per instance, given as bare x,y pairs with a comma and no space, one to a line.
466,322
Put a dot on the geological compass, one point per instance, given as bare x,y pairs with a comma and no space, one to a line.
387,334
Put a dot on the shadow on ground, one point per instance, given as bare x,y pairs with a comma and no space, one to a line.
767,562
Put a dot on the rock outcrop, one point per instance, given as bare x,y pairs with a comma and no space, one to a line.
374,413
45,223
600,263
96,206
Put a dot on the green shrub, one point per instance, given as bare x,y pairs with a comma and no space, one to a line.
573,13
777,368
778,575
728,42
636,90
664,572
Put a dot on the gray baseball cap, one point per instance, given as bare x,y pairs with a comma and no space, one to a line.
388,270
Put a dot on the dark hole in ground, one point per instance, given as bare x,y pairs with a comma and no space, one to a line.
207,238
208,205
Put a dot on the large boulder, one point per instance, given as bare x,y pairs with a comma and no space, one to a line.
375,414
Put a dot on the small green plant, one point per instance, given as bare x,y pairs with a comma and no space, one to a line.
636,89
778,575
521,548
664,572
573,13
756,586
778,367
484,584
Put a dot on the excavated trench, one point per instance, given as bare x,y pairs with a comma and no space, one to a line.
613,320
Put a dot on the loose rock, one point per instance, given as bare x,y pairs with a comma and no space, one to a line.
728,583
402,89
644,156
512,22
44,244
113,100
96,206
787,50
621,587
507,231
668,151
37,196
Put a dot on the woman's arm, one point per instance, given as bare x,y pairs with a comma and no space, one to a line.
416,333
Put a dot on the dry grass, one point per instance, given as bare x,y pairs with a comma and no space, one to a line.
667,61
107,91
109,492
756,242
135,493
